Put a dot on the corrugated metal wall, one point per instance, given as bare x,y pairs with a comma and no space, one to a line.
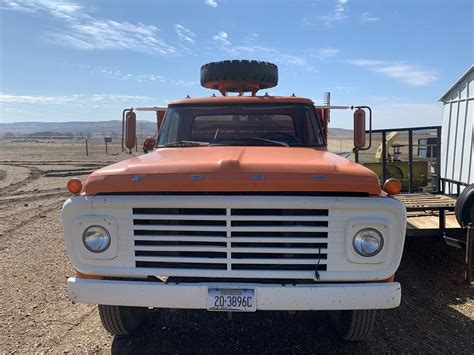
457,140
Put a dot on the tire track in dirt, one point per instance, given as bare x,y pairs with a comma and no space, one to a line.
34,173
23,196
82,164
25,219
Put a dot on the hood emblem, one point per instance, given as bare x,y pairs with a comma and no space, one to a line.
259,177
320,178
136,178
196,177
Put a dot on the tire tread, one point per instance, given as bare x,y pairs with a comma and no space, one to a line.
120,320
355,325
264,73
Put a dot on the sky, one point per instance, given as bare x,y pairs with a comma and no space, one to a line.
87,60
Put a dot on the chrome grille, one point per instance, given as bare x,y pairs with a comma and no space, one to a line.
231,238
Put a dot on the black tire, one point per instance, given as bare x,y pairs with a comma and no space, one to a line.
122,320
354,325
213,75
464,208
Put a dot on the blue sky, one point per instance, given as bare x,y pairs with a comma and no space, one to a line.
87,60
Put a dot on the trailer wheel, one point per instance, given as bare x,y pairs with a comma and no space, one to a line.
239,75
464,208
354,325
122,320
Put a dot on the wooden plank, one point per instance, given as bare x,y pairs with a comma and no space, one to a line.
431,222
426,201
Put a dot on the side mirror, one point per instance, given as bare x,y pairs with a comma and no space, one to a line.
160,115
130,130
359,129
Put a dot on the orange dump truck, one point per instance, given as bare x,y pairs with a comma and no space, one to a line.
239,208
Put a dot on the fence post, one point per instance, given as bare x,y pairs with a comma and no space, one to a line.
384,156
438,159
468,256
87,148
410,161
106,149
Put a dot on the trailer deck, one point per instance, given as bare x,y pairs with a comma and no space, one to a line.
430,214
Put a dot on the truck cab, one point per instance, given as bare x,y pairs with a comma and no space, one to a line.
239,208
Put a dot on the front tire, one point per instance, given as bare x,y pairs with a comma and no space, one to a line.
122,320
354,325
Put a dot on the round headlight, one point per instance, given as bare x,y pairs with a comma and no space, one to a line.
96,239
368,242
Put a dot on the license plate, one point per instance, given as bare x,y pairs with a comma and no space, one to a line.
231,299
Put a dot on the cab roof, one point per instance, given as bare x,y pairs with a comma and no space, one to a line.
223,100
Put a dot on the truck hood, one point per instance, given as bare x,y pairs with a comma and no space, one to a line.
234,169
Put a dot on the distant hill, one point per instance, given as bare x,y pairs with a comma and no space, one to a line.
340,131
92,129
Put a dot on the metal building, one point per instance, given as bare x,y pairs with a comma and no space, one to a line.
457,137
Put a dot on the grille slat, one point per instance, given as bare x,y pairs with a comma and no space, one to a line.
186,238
260,239
182,259
180,248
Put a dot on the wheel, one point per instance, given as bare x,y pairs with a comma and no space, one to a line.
354,325
394,172
464,208
239,75
122,320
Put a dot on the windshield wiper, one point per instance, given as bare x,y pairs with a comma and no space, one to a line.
271,141
185,144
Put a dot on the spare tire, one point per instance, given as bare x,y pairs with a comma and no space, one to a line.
239,76
464,208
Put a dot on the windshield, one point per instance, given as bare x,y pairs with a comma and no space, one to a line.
264,125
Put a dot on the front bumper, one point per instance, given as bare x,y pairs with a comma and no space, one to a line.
268,296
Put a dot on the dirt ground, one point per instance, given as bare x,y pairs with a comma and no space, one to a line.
436,315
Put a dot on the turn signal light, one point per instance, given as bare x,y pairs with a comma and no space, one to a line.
74,186
392,186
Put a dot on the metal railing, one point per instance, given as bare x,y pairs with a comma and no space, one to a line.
410,132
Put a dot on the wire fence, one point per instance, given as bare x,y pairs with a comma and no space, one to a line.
76,147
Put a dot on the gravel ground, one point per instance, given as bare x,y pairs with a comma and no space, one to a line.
436,315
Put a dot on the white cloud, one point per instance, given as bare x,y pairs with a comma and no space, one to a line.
366,18
271,54
82,30
140,78
184,34
109,98
250,38
222,37
406,114
323,53
337,15
409,74
211,3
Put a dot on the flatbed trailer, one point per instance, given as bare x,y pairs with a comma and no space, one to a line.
433,215
430,211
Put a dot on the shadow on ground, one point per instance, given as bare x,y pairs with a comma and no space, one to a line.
427,320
